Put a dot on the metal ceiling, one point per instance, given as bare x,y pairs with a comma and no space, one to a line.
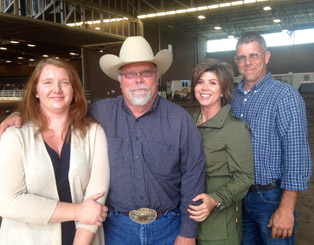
45,24
234,20
48,30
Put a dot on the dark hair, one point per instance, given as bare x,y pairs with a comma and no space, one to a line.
252,37
30,108
224,73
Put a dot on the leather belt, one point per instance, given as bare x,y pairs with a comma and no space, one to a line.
144,215
256,188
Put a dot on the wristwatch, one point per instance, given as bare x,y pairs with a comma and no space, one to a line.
218,205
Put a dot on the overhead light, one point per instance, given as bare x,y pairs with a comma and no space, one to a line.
97,28
267,8
214,6
222,5
20,58
14,42
202,8
180,11
151,15
276,20
171,12
74,54
201,17
57,58
31,45
45,55
191,10
161,14
31,60
249,1
3,48
8,61
236,3
230,36
217,28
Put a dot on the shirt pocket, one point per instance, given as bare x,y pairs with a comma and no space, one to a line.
161,158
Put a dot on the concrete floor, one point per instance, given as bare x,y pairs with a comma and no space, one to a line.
305,202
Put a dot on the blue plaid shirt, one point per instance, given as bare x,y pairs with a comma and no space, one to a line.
277,118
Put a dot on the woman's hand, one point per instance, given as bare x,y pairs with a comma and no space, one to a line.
90,212
200,212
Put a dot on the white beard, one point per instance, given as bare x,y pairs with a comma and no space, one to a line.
142,97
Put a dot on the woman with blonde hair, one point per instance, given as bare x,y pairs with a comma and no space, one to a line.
54,171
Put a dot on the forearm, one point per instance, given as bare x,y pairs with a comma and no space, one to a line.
83,237
88,212
282,220
64,212
288,200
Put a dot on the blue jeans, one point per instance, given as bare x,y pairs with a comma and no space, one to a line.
258,207
120,229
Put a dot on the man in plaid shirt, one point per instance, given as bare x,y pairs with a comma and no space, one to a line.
277,118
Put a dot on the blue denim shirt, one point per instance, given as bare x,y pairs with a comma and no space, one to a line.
156,160
276,115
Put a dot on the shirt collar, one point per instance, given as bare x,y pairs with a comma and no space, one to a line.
258,85
219,119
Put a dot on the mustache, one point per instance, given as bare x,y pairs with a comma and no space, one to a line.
140,86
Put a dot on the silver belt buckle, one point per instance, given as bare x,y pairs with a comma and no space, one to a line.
143,215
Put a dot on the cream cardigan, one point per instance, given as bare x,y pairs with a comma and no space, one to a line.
28,192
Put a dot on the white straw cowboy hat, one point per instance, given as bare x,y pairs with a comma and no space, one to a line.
134,50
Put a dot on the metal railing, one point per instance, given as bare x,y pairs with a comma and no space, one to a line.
18,94
11,94
107,16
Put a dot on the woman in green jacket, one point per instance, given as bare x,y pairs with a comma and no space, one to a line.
229,157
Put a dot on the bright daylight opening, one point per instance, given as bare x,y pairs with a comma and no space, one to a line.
275,39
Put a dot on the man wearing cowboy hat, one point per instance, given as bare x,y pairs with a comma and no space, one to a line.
155,152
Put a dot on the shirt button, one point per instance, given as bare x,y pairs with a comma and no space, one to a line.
139,177
241,115
137,120
236,220
137,157
136,138
245,99
141,197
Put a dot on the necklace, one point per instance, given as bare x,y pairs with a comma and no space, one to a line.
199,118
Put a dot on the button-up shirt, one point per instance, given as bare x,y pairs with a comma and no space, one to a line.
276,115
156,160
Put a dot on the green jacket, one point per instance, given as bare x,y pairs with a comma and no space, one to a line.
229,174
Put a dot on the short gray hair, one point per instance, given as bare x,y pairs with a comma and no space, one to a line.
252,37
